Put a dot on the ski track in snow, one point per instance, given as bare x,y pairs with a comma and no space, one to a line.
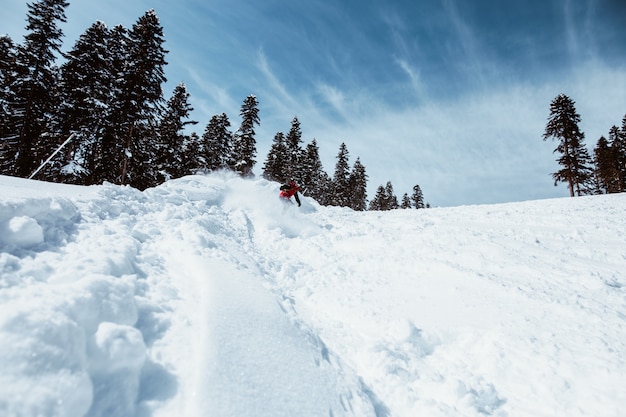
207,296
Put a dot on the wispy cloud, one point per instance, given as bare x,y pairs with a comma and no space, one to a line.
277,91
414,77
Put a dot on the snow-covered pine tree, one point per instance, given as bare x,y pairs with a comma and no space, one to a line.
293,143
390,197
341,180
191,155
86,82
417,197
358,186
315,181
144,100
405,202
274,167
575,160
169,162
109,149
379,202
35,86
216,143
244,146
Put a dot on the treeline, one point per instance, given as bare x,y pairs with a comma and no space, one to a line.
602,173
101,116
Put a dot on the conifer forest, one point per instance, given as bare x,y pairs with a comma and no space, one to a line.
97,113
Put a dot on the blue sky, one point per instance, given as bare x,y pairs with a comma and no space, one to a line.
452,95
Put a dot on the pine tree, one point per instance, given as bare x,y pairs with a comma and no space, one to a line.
274,167
390,197
575,160
172,138
293,144
417,197
216,143
379,202
244,146
191,156
8,139
143,99
618,143
109,149
341,180
358,187
35,87
406,202
315,181
86,82
606,167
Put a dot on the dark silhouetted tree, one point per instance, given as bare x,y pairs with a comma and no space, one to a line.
390,196
86,85
315,181
172,138
405,202
216,143
274,168
575,160
358,186
417,197
143,101
379,202
606,168
108,149
341,179
244,146
34,89
295,154
9,140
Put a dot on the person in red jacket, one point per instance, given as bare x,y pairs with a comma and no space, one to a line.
290,190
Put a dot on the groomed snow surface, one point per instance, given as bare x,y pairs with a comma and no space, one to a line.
207,296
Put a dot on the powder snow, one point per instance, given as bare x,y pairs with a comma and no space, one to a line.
207,295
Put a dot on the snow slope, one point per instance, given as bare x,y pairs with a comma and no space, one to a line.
207,296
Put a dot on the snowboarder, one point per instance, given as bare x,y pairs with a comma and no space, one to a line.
289,190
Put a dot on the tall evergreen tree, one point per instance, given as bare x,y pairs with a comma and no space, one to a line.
8,139
341,179
390,197
109,149
35,85
244,146
86,82
358,187
171,133
274,168
575,160
618,143
293,143
606,166
315,181
312,169
191,156
216,143
417,197
143,100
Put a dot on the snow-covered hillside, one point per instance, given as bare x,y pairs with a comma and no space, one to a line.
207,296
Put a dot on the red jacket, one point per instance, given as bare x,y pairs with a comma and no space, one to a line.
288,191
